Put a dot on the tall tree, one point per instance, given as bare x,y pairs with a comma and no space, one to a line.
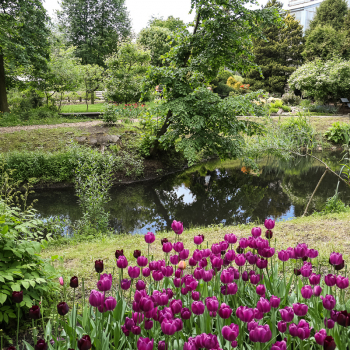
94,27
331,12
23,40
192,117
279,55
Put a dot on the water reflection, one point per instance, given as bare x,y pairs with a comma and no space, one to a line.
208,194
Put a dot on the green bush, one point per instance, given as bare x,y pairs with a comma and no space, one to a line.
273,110
290,98
286,108
334,205
299,129
109,115
338,133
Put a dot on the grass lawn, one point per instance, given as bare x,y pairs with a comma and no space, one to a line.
326,233
97,107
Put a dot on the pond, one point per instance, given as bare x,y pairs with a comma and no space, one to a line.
210,193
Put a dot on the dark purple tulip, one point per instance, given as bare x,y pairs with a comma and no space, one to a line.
186,313
329,343
178,247
230,332
125,284
167,271
342,282
95,298
142,261
240,250
263,305
125,331
148,324
137,317
99,266
176,306
282,326
162,345
230,238
84,343
300,251
225,311
306,292
164,240
297,272
167,247
197,307
302,330
207,276
74,282
34,312
150,237
280,345
287,314
275,301
198,239
11,348
168,327
110,303
196,296
268,234
300,309
261,263
256,232
122,262
245,276
334,315
174,259
192,262
260,290
260,334
62,308
140,285
329,323
184,254
283,255
330,280
41,345
145,343
146,304
342,318
136,330
137,253
177,227
119,253
251,258
269,224
146,272
328,302
335,258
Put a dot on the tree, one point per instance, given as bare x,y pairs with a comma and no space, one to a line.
323,42
92,76
277,57
323,80
23,40
330,12
192,117
158,40
94,27
125,70
170,23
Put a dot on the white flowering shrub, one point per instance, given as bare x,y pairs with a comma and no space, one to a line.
323,80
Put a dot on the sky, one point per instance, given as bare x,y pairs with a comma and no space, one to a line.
141,11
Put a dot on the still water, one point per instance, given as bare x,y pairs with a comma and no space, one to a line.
210,193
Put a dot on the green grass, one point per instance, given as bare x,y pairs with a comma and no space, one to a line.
326,233
97,107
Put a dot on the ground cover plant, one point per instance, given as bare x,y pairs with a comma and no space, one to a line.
239,293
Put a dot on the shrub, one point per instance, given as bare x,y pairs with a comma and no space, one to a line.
334,205
231,81
286,108
299,129
109,115
338,133
290,98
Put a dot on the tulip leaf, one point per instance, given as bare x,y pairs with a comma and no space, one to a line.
28,346
48,329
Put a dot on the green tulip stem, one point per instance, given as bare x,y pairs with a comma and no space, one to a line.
17,326
177,340
56,332
148,251
34,333
73,320
1,341
83,290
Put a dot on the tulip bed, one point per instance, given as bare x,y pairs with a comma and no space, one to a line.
235,294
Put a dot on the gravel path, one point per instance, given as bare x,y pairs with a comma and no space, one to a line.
10,129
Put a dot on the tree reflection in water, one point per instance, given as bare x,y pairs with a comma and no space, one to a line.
211,193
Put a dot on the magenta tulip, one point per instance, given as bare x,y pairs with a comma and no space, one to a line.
260,334
256,232
177,227
150,237
230,332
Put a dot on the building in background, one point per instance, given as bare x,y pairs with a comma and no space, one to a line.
304,10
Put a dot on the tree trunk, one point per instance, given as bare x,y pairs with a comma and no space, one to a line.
93,97
160,133
4,107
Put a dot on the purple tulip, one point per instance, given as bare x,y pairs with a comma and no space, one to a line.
230,255
283,255
240,260
258,315
146,272
306,292
125,284
260,290
105,282
223,246
230,332
282,326
245,276
256,232
261,263
95,298
230,289
206,253
122,262
177,282
302,330
306,270
192,262
226,277
134,272
178,247
177,227
63,308
279,345
260,334
251,258
263,305
230,238
215,248
198,273
148,324
197,255
314,279
166,313
300,309
196,296
162,345
269,224
197,307
185,313
140,285
210,341
266,252
329,323
176,306
328,302
157,275
275,301
300,251
142,261
320,336
110,303
184,254
225,311
150,237
167,247
167,271
335,258
198,239
317,291
330,280
312,253
243,243
212,304
245,314
207,276
138,317
146,304
287,314
342,282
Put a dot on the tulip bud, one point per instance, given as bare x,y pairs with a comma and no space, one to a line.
137,253
34,312
62,308
17,297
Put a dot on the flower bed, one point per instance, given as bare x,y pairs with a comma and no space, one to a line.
231,295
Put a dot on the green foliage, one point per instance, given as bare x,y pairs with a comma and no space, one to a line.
286,108
291,99
278,56
300,130
125,72
338,133
220,84
94,27
171,23
109,114
330,12
323,80
334,205
323,42
158,40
